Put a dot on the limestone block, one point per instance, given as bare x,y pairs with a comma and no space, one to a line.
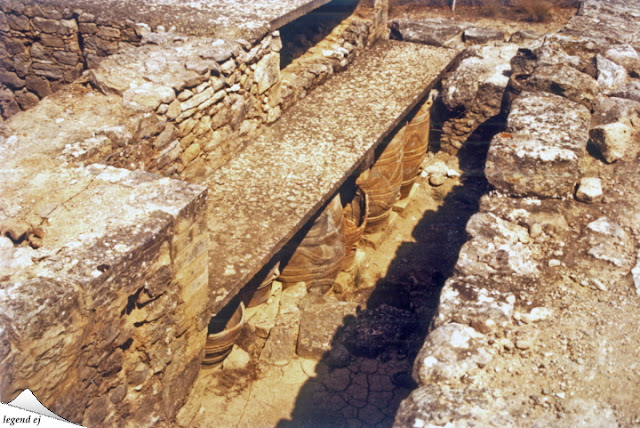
477,85
607,241
450,352
525,37
624,55
280,347
50,71
107,32
87,28
267,72
539,153
436,32
481,36
4,24
8,103
147,97
18,22
52,40
561,79
26,99
432,405
629,91
66,58
589,190
11,79
191,153
197,99
611,76
612,140
613,109
321,319
65,27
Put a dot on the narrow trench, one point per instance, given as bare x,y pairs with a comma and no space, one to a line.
305,32
361,381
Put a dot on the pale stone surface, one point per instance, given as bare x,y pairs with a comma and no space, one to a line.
296,165
589,190
450,352
481,36
539,153
280,347
612,140
477,85
321,318
611,76
435,32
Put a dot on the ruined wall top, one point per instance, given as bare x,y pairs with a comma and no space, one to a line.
228,19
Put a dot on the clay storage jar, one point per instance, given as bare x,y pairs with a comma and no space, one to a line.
355,221
416,143
263,292
382,183
318,258
219,345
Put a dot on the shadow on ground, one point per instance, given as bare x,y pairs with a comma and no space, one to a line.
361,381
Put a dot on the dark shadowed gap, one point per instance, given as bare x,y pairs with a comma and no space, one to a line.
305,32
367,390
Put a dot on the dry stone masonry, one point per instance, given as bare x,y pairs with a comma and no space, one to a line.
562,215
105,266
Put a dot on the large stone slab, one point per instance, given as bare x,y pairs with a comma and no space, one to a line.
539,152
321,319
261,198
436,32
228,19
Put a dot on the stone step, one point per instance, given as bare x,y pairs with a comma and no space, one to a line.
262,197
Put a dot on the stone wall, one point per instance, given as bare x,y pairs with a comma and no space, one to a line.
195,103
43,48
549,224
105,324
117,338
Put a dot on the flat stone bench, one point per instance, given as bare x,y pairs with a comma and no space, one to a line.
261,198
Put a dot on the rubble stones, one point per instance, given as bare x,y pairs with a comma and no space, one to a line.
624,55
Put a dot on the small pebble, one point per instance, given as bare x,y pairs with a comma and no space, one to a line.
535,230
554,263
437,180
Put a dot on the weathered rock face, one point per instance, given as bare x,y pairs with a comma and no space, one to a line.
539,153
437,32
105,329
44,48
321,318
475,88
533,244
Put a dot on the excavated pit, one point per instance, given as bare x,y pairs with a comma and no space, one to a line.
391,293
